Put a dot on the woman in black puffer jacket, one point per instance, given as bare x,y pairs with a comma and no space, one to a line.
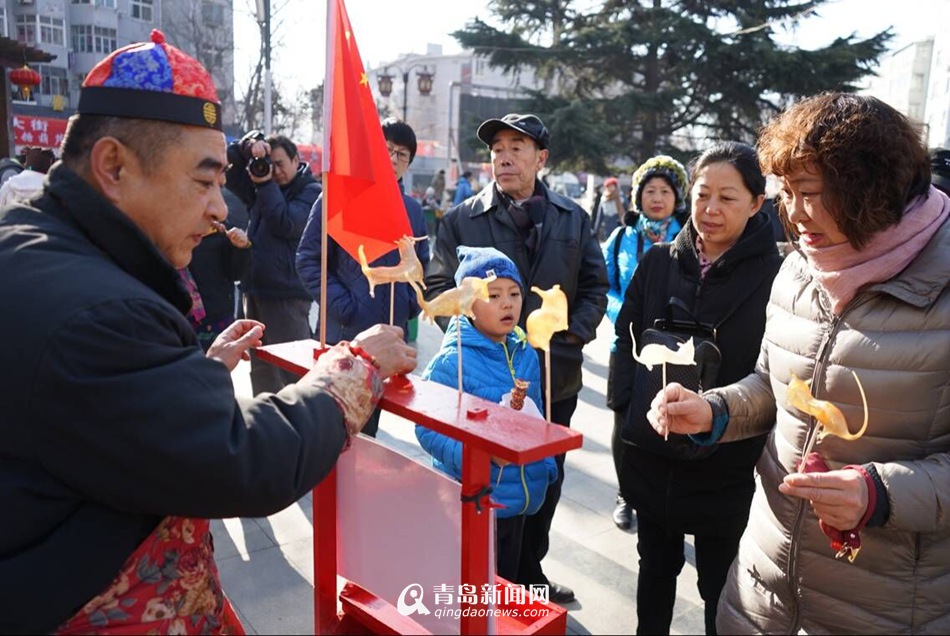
720,268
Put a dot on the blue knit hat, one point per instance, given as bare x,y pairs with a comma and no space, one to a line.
479,261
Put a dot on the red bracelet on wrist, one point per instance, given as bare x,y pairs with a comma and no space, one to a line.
359,352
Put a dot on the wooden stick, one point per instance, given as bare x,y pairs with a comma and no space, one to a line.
809,447
458,332
392,300
547,383
666,429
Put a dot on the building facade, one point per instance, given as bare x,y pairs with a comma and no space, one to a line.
82,32
465,91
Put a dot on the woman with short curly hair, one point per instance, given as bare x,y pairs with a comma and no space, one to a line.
867,292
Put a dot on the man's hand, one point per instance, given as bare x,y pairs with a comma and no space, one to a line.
259,148
678,410
231,346
839,497
387,346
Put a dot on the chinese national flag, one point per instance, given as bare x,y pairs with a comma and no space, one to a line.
361,195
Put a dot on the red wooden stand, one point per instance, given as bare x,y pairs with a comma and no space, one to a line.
485,429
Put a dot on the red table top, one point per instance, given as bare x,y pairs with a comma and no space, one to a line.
498,430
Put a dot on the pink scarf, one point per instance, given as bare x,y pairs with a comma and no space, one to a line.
841,271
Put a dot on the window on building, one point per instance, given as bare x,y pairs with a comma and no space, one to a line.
82,38
54,80
26,28
212,57
52,31
3,21
104,40
212,14
93,39
141,9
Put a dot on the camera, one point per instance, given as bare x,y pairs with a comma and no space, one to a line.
258,167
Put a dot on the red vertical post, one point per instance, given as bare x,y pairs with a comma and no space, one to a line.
325,617
476,478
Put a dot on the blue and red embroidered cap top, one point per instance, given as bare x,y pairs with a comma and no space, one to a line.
152,80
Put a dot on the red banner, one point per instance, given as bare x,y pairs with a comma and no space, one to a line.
42,132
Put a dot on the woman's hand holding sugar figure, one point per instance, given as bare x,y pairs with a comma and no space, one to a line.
679,410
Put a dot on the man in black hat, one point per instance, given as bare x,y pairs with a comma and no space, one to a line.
121,438
549,238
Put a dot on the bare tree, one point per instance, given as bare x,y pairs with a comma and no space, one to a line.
201,28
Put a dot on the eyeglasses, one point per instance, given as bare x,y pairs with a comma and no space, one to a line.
401,155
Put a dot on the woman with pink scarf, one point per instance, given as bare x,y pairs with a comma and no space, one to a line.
867,291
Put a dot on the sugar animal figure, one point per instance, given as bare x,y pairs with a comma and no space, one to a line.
829,416
455,302
409,269
654,354
548,319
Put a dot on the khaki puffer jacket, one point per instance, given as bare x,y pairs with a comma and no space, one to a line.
896,337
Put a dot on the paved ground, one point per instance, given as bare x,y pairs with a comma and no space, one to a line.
266,564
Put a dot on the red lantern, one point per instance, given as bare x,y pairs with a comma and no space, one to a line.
26,78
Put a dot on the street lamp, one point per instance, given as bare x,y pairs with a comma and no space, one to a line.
384,81
263,20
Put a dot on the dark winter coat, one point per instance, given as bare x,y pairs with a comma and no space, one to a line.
711,494
567,255
113,418
350,308
277,217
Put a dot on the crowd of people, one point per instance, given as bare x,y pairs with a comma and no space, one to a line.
123,435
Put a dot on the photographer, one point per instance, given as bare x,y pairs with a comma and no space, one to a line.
279,191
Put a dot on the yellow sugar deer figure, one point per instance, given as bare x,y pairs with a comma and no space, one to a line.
409,269
457,301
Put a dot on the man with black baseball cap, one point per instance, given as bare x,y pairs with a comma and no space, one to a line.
549,239
529,125
121,438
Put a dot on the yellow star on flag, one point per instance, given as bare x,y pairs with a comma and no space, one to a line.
364,81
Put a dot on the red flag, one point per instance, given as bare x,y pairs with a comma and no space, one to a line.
362,198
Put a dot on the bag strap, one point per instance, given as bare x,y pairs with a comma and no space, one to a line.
680,304
617,242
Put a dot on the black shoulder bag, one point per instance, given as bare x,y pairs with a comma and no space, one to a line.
670,332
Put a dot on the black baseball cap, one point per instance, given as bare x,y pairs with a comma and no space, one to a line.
940,168
529,125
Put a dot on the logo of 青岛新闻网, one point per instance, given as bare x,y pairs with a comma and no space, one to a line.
414,592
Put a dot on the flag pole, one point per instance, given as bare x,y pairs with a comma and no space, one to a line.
323,261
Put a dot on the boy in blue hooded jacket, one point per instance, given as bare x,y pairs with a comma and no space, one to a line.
496,354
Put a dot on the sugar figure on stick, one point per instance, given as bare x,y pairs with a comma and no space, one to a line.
543,323
457,302
409,270
653,354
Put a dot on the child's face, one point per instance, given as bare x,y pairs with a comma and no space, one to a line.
499,316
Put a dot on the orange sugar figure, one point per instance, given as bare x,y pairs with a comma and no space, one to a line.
409,269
